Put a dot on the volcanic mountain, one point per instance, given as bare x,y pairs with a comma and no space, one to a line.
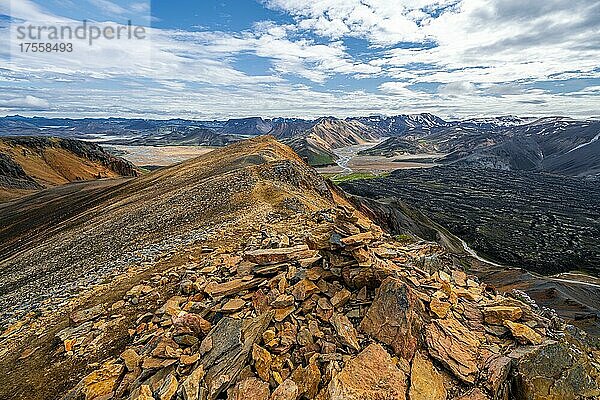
32,163
244,274
556,145
317,144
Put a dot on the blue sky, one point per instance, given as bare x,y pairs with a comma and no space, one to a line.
219,59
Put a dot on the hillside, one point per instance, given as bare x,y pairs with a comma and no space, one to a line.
33,163
317,144
244,274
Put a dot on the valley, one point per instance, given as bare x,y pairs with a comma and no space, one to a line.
157,156
352,159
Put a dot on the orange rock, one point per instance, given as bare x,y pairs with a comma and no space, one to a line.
498,314
523,333
231,287
233,305
282,313
276,256
426,383
69,344
439,308
303,289
168,388
361,238
251,389
288,390
131,358
345,330
189,360
372,375
101,383
262,362
455,346
307,379
341,298
393,317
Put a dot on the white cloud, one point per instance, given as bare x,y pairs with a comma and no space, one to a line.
27,102
382,22
477,41
483,56
457,88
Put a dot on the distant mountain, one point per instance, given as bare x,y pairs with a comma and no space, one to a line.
557,145
34,163
317,144
254,126
402,124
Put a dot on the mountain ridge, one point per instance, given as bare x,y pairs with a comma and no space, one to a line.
244,274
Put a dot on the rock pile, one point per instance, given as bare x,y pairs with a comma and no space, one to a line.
344,313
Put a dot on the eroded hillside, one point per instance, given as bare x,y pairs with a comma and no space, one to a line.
32,163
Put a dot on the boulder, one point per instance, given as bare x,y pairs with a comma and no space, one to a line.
498,314
523,333
455,346
394,317
556,371
99,384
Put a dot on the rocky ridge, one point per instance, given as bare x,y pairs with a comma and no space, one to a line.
350,314
308,299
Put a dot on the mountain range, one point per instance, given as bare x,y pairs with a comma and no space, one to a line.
552,144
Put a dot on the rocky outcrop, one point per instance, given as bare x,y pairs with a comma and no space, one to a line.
351,317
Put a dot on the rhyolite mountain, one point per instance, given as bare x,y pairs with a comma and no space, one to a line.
244,274
551,144
556,145
33,163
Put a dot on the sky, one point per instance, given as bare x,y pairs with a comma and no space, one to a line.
299,58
